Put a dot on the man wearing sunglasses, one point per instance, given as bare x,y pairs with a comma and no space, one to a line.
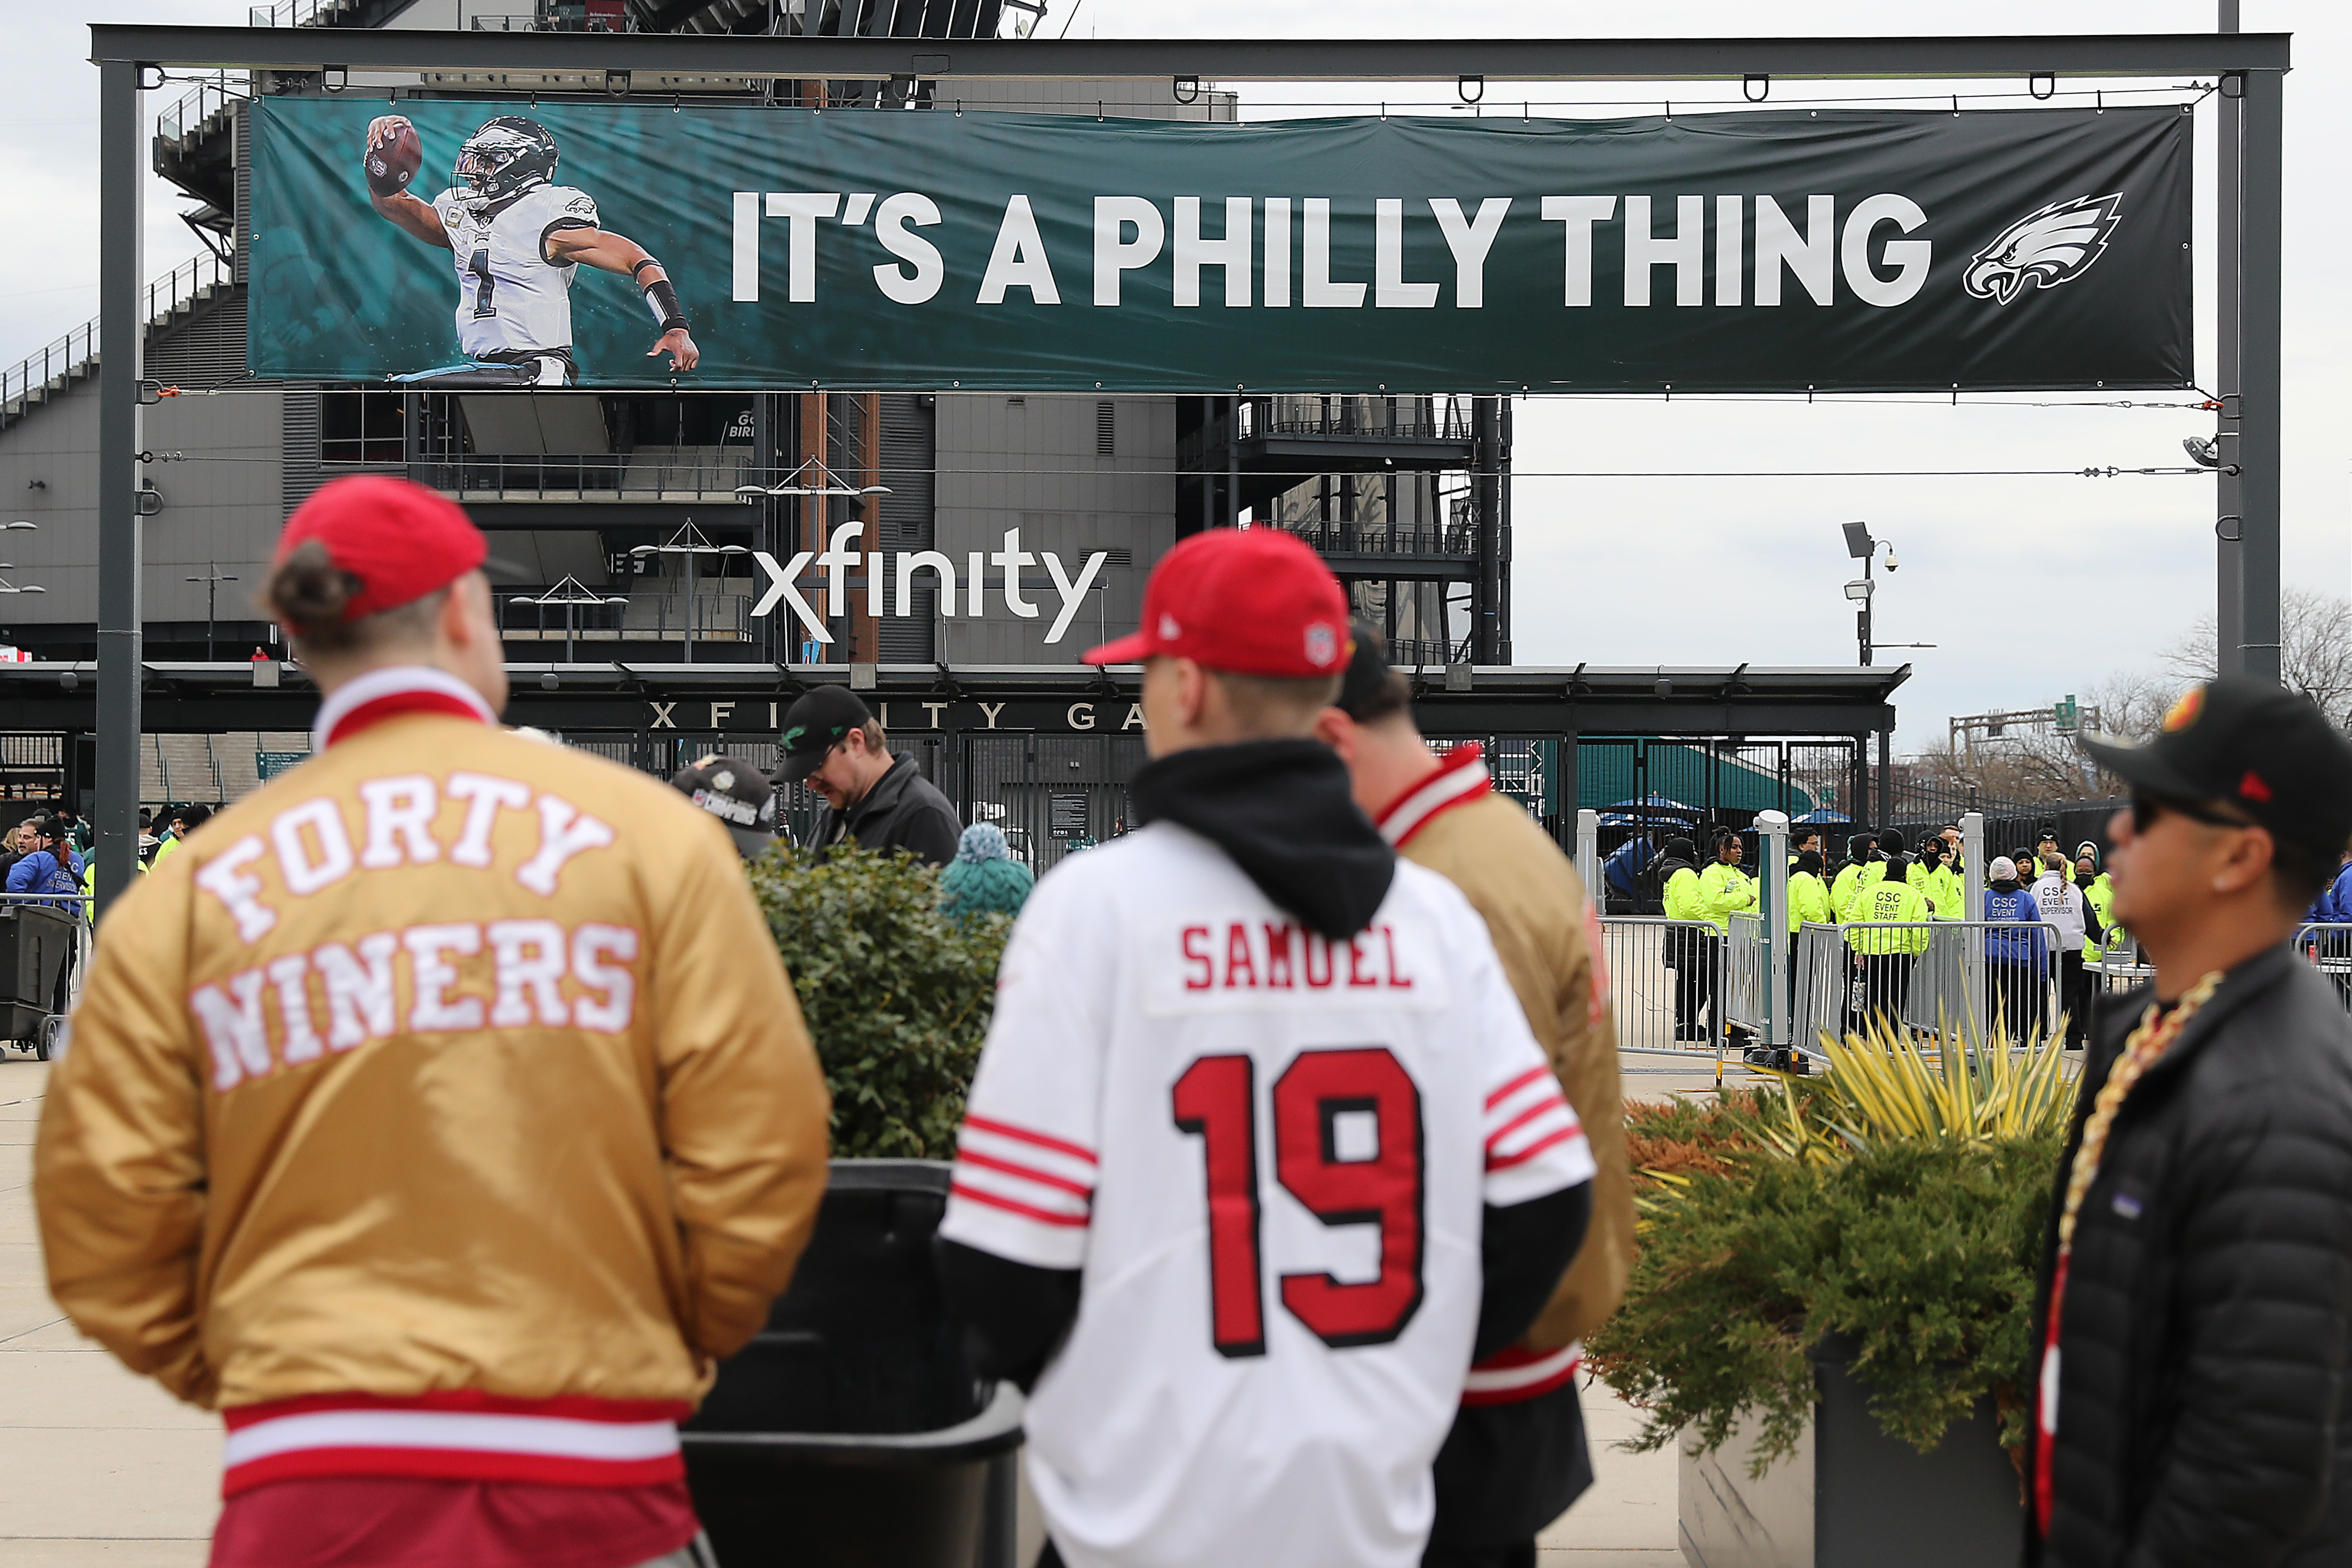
2191,1326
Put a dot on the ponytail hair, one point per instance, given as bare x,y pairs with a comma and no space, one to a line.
308,594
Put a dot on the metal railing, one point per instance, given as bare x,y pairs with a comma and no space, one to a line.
1930,976
530,22
594,476
645,618
1428,651
293,12
1662,976
1371,418
1380,539
2327,945
209,97
175,290
2120,966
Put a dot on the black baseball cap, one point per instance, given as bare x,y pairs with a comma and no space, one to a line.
2260,749
738,794
814,725
1369,689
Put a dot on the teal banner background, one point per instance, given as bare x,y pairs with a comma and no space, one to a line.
339,294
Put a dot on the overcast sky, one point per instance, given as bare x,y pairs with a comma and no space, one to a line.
2031,588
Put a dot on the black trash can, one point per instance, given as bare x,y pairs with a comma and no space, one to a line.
36,943
851,1432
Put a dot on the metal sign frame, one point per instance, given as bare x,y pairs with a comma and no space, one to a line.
2250,67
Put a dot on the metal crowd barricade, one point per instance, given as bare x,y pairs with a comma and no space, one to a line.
2327,945
1655,997
2120,966
37,1021
1956,978
1747,966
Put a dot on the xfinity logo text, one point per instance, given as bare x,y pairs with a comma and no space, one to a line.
843,555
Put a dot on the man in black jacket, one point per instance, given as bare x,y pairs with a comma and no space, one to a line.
2196,1297
833,742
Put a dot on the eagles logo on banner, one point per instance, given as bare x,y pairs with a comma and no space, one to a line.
2045,249
921,249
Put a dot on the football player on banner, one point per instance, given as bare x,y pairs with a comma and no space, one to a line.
516,239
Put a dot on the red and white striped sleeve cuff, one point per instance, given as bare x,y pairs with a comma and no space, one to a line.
1513,1377
1534,1144
1020,1194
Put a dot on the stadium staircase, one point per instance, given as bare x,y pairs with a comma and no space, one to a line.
189,290
216,769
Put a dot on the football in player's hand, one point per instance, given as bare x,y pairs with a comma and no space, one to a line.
393,153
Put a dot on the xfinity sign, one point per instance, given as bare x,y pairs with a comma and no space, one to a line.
934,250
914,570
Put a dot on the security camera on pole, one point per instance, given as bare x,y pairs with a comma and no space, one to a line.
1864,589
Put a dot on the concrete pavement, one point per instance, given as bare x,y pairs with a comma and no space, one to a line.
105,1470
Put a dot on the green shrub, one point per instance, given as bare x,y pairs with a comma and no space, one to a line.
1921,1252
897,995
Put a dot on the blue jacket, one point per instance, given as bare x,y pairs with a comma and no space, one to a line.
2029,947
2333,904
40,872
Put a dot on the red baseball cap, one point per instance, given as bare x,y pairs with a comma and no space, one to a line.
1256,602
399,539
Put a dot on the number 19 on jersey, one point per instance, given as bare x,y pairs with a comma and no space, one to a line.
1216,1101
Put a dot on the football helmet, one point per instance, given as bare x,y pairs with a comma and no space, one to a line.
508,156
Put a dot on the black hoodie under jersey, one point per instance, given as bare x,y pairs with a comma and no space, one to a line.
1282,811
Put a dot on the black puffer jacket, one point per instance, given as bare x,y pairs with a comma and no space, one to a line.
2200,1415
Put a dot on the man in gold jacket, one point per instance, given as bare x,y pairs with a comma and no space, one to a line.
1515,1458
440,1112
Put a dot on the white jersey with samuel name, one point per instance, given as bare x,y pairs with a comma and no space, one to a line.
1268,1154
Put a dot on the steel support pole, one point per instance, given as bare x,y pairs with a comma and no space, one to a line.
2261,201
1773,909
2228,495
119,655
1885,778
1502,418
1972,888
1487,490
1233,510
1588,852
944,61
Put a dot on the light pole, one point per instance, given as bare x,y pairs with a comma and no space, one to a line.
6,585
212,580
1864,548
812,478
570,594
688,542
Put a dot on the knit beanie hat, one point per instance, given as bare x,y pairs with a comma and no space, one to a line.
983,841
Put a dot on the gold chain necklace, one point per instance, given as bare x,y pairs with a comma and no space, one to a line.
2147,1046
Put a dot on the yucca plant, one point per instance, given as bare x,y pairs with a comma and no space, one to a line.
1884,1085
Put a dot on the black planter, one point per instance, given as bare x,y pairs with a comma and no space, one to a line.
1852,1496
851,1433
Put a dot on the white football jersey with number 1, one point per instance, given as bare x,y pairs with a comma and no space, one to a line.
510,298
1269,1154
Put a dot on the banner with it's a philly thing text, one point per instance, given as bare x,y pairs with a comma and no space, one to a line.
1837,249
